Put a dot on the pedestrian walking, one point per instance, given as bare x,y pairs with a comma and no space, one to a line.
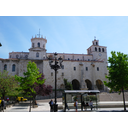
2,104
67,106
51,105
7,99
91,104
76,105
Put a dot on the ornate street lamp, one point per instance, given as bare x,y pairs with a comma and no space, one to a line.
57,65
0,44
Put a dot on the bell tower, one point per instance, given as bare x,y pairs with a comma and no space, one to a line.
38,48
99,52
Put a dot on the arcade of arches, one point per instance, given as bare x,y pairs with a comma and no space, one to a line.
99,84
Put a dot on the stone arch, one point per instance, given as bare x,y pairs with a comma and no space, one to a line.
17,56
102,49
95,48
89,84
99,50
99,84
75,84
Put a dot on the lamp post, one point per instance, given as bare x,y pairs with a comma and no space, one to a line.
0,44
57,65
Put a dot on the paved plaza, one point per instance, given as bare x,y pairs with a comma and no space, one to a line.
43,106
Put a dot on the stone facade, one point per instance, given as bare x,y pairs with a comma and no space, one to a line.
84,71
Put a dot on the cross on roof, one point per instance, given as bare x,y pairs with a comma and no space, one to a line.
39,33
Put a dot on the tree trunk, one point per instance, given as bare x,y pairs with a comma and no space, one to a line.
123,98
33,101
3,96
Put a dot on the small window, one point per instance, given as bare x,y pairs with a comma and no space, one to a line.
95,49
62,74
33,45
96,43
97,68
78,59
102,49
38,44
10,56
88,59
37,54
74,68
68,58
51,73
99,50
86,68
5,67
13,68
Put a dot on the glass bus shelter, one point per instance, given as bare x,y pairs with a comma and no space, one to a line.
70,96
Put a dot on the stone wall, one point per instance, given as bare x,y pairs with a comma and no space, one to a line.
51,96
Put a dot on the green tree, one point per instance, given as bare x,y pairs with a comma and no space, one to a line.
68,85
27,82
118,73
7,84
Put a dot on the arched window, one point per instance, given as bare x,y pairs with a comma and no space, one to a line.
26,56
33,45
5,67
37,54
96,43
99,50
13,68
95,49
102,49
38,44
17,56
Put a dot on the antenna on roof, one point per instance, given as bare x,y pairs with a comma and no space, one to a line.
94,37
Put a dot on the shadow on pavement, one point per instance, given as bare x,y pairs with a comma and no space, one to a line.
19,108
23,104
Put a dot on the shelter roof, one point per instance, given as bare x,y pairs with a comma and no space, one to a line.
81,91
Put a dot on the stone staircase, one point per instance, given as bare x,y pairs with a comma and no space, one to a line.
104,96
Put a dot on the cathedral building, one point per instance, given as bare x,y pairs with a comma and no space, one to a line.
84,71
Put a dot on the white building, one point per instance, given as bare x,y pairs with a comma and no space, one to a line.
84,71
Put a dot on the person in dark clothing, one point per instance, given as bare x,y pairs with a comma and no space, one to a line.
83,104
2,104
67,106
51,105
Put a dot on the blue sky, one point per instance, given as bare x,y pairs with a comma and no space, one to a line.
64,34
